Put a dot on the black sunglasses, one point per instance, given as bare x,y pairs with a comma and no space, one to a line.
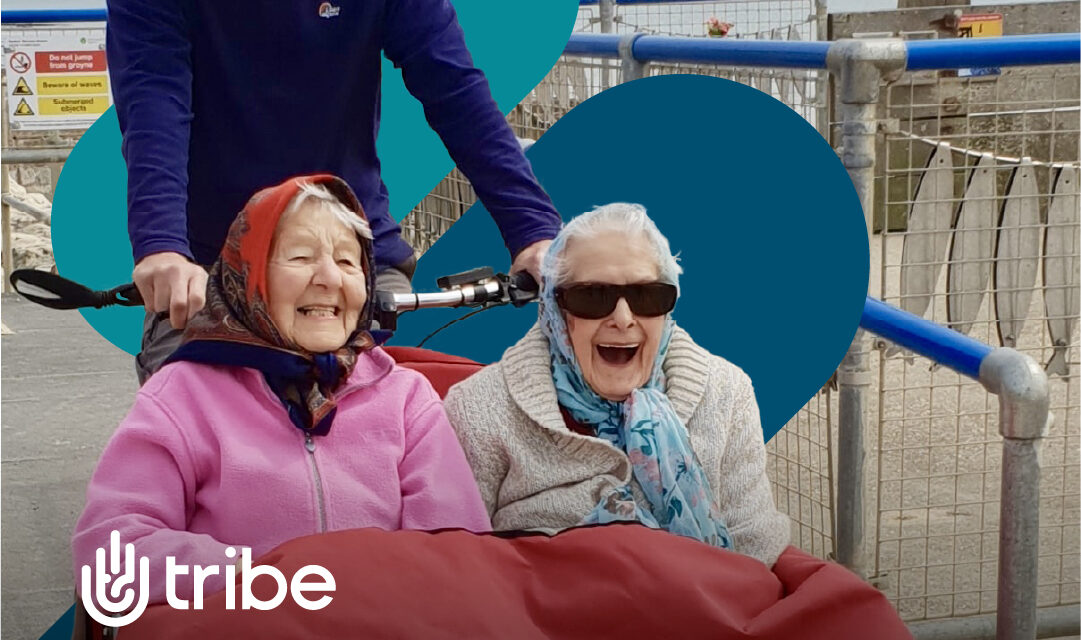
596,301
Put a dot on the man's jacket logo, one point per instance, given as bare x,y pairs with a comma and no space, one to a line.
327,10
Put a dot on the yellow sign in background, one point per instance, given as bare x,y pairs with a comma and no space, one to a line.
72,85
980,25
72,106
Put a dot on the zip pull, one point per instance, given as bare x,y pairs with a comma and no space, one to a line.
309,444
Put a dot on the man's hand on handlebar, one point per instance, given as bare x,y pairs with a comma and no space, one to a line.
170,282
529,259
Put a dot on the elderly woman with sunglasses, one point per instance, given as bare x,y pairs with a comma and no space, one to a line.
608,411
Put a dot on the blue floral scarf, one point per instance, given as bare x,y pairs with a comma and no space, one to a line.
647,429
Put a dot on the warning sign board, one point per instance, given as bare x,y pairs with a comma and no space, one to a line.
64,106
57,78
980,25
23,109
52,85
68,61
21,88
19,62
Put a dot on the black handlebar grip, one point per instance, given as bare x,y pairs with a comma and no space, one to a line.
523,288
523,281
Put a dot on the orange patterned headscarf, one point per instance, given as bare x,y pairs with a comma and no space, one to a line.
235,327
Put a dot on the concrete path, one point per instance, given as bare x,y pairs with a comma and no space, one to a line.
63,390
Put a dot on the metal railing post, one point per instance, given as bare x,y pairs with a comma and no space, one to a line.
632,68
5,212
822,105
860,67
5,230
607,9
35,156
607,15
1024,417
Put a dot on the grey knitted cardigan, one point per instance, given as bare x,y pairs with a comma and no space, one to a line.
535,473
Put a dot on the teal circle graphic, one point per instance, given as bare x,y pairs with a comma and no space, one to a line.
89,228
767,225
90,238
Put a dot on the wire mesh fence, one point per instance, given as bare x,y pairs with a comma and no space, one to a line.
975,229
574,80
979,220
757,19
800,466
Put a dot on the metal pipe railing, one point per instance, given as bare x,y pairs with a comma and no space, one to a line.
1008,51
945,346
29,16
1024,414
35,156
1043,49
753,53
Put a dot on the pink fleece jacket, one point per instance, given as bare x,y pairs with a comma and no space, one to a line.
207,458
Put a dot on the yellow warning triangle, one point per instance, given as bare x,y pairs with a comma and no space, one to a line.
23,109
22,89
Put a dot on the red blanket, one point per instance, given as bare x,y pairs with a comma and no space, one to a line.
615,581
442,369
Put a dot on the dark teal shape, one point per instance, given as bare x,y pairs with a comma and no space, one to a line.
766,222
62,628
514,43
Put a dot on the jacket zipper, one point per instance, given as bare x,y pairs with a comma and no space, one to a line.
309,444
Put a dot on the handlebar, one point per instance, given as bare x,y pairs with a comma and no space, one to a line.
477,288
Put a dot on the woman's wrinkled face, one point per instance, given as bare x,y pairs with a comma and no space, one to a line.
615,353
315,281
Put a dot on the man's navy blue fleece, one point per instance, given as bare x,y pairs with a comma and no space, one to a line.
218,99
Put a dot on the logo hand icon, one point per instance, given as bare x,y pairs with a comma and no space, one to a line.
122,594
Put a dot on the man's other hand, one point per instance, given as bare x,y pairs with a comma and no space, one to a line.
529,259
170,282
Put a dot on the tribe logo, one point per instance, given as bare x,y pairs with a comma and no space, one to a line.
122,590
327,10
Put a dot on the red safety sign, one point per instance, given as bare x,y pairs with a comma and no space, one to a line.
19,62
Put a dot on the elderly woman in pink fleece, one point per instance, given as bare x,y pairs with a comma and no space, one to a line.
278,417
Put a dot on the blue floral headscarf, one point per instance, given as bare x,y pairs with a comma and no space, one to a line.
644,426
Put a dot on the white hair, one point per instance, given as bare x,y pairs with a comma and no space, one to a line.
621,217
324,199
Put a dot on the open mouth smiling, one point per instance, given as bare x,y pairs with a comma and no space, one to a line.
617,354
319,311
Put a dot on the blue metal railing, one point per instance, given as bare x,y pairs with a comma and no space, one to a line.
945,346
756,53
954,53
1044,49
52,15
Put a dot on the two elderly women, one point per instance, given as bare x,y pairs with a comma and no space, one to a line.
606,410
278,417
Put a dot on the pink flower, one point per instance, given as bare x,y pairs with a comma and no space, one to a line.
717,29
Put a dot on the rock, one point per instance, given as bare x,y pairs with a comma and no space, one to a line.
31,239
31,251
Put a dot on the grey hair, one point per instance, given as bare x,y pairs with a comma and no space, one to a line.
323,198
622,217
